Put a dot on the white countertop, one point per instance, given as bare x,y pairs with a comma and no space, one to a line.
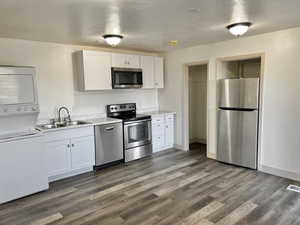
103,121
89,122
159,112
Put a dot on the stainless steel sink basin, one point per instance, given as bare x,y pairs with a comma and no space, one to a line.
76,122
62,124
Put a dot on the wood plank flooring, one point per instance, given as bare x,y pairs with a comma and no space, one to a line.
171,187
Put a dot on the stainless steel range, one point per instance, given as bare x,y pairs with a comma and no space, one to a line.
137,130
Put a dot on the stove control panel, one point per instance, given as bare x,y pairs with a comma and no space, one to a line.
121,107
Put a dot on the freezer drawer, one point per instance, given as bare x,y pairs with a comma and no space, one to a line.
237,137
239,93
109,143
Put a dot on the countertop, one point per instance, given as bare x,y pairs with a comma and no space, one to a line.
103,121
159,112
89,122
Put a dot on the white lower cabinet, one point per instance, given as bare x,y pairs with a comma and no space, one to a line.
162,131
58,157
69,152
82,152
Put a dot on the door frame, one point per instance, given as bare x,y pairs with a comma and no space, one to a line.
186,116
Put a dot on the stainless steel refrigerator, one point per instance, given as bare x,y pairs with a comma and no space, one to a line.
238,121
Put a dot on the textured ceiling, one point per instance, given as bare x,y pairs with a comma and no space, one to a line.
146,24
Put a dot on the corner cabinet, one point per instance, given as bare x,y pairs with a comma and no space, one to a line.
159,72
94,70
163,131
153,71
69,152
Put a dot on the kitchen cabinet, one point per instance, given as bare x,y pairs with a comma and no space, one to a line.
69,152
58,157
82,152
162,131
147,65
94,70
125,60
158,72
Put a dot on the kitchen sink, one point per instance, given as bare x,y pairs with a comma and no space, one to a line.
56,125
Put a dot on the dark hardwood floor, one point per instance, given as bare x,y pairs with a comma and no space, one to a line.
171,187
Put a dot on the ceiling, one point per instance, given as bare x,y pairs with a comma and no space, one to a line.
146,24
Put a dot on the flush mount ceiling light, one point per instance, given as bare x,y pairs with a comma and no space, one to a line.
113,39
238,29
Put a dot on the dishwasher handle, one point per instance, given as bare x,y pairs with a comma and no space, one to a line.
109,128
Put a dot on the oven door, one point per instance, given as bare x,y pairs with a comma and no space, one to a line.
126,78
137,133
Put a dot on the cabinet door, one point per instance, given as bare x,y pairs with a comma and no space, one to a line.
82,152
58,157
119,60
159,72
169,134
133,61
97,70
158,136
147,64
125,61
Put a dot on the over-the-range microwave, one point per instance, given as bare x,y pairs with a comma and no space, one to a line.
123,78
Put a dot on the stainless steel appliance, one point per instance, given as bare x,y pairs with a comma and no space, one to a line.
238,121
126,78
137,130
109,143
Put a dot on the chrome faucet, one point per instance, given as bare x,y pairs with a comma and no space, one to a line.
59,114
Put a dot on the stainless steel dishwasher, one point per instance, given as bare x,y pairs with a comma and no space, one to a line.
109,144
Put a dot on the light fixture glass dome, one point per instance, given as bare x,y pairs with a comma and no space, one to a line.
113,39
239,29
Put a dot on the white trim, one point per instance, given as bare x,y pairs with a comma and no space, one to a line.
185,100
280,172
180,147
211,156
70,174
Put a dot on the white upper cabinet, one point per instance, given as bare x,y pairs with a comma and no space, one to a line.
94,70
158,72
147,65
125,60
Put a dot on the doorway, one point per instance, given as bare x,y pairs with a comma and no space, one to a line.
197,94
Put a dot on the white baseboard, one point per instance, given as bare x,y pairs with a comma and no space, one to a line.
180,147
280,172
70,174
211,155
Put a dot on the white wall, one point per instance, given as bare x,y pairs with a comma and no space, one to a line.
280,137
197,103
56,80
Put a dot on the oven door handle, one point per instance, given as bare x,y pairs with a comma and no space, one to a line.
136,122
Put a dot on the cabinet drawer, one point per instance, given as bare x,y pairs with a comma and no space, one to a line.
158,119
158,128
170,117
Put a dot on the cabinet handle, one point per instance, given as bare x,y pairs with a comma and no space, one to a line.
68,146
73,145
